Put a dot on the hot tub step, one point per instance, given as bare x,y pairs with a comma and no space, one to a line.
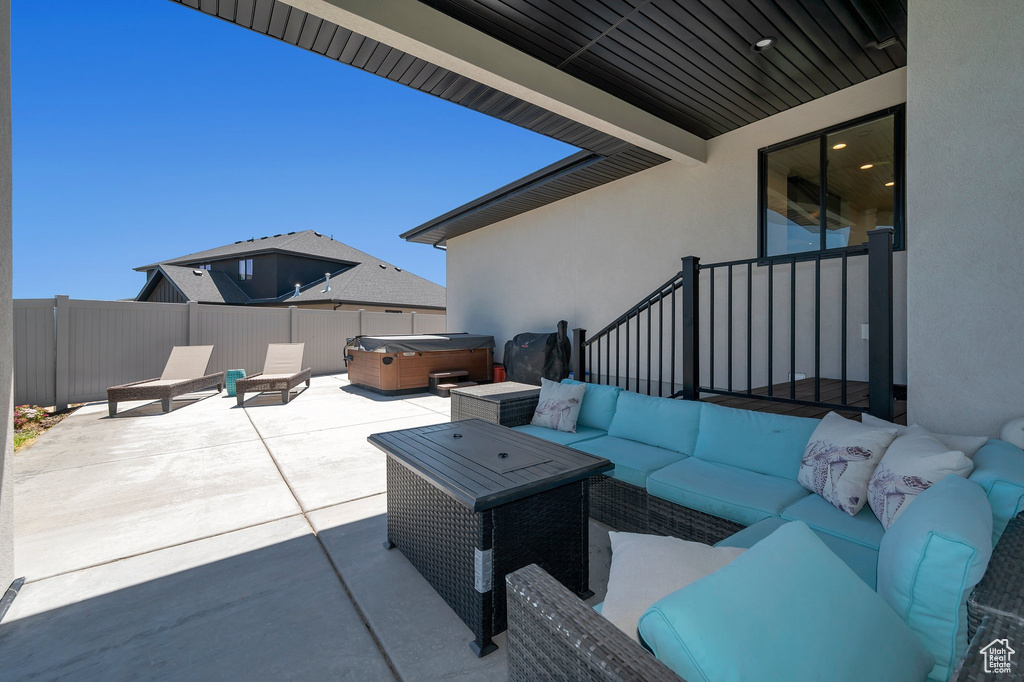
444,390
434,379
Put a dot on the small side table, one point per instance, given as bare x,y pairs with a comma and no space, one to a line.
507,403
1000,594
233,375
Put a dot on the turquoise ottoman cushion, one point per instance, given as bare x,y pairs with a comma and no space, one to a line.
724,491
999,470
561,437
786,610
863,560
819,514
666,423
598,406
767,443
931,558
633,461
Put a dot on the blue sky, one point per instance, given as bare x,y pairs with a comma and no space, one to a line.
145,130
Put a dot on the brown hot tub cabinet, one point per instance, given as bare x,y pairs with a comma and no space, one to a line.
401,364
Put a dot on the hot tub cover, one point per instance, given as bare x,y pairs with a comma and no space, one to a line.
421,342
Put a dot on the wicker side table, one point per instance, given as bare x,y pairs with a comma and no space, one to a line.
1001,591
507,403
233,375
994,631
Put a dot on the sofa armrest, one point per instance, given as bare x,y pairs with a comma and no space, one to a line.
553,635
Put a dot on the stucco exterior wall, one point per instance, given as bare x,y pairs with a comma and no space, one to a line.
588,258
966,175
6,315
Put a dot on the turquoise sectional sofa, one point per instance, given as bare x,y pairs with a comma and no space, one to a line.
725,476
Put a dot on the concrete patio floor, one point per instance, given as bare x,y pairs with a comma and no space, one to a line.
222,543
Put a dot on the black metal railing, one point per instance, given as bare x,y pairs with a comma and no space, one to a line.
655,346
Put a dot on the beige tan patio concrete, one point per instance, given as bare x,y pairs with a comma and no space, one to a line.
217,542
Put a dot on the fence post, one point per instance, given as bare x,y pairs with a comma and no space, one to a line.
881,392
293,323
691,327
578,359
412,321
361,332
62,373
193,323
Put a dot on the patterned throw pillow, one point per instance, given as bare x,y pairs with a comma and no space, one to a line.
559,405
839,461
914,461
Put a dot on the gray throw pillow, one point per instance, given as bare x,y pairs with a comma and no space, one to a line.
559,405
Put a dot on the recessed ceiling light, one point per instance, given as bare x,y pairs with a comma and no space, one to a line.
890,184
764,44
841,145
867,165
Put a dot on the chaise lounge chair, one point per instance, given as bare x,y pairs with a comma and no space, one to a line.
281,372
185,372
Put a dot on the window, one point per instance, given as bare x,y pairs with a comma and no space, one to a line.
827,190
204,266
245,269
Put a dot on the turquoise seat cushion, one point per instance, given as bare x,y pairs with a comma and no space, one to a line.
999,470
666,423
863,560
633,461
725,491
820,515
767,443
786,610
598,406
561,437
931,558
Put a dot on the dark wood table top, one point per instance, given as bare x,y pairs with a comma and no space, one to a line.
484,465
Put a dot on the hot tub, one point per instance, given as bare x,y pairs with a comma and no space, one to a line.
401,364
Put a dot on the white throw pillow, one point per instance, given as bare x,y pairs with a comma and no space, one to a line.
965,444
646,568
914,461
559,405
840,458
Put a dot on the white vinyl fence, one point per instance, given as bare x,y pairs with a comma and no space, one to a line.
68,351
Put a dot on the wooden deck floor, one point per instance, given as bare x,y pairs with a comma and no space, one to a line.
831,390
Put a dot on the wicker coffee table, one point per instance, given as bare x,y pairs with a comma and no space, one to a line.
471,501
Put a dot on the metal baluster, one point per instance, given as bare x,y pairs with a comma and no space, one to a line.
672,353
711,349
729,328
771,315
842,381
750,331
638,350
792,329
650,310
661,342
817,328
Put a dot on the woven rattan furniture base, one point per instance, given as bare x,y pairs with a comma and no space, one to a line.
980,660
1001,591
507,403
165,393
465,527
258,384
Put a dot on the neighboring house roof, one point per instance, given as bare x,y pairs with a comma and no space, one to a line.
360,277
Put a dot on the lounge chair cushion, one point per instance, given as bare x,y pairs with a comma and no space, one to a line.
757,441
999,470
665,423
187,362
770,616
598,405
863,560
561,437
929,561
284,359
633,461
816,512
724,491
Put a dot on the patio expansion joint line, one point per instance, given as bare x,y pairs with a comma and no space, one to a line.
327,555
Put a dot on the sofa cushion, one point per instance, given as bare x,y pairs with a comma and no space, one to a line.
757,441
561,437
666,423
863,560
786,609
816,512
999,470
914,461
633,461
598,405
969,445
646,568
558,406
725,491
929,561
840,458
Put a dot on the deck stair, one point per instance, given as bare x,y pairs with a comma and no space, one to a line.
441,383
